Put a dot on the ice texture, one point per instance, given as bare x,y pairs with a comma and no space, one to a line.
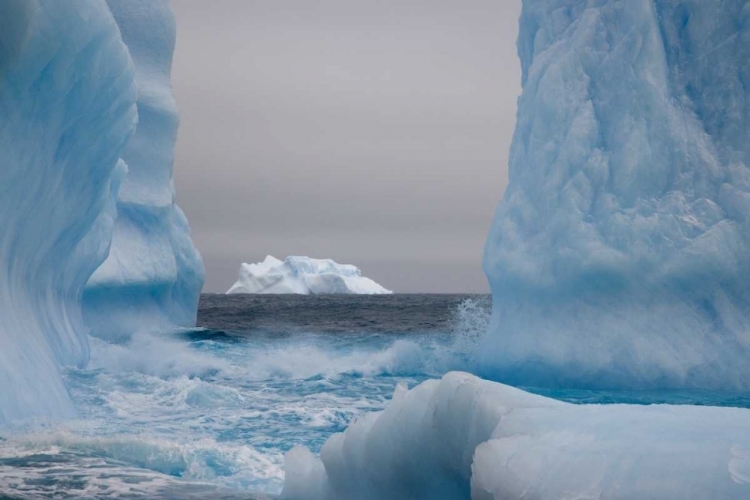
75,79
463,437
303,275
67,102
153,276
619,253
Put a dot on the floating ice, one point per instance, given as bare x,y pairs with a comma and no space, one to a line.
153,276
619,254
303,275
463,437
67,102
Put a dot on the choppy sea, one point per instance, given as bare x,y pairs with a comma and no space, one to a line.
210,412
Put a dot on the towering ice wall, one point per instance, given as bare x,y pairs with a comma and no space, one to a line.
620,254
67,109
153,275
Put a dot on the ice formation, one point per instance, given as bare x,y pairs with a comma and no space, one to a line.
71,93
153,276
303,275
619,254
463,437
67,102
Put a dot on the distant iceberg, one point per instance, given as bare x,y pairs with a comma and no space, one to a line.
303,275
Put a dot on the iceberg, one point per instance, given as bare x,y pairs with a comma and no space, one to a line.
153,276
303,275
67,101
90,236
464,437
618,255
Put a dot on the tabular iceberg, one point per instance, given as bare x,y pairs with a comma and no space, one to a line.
153,276
67,102
463,437
619,253
303,275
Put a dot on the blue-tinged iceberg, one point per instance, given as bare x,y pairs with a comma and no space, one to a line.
619,254
303,275
67,108
463,437
75,78
153,276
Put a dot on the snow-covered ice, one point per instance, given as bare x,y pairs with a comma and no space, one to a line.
303,275
153,276
619,253
464,437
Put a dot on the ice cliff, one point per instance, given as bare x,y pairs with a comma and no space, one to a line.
87,110
67,103
463,437
303,275
153,276
619,253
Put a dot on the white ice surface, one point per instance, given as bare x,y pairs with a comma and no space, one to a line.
463,437
303,275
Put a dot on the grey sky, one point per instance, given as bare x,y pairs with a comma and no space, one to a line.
372,132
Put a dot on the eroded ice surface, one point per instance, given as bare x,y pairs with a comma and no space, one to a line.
618,256
67,103
303,275
153,276
68,91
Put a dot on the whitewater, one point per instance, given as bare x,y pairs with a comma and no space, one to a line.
214,410
221,410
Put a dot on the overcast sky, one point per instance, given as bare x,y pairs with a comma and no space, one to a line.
372,132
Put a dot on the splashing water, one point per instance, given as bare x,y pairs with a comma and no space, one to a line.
214,410
210,412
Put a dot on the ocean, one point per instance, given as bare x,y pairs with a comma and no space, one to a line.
209,412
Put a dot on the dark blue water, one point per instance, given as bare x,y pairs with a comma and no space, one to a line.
210,412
